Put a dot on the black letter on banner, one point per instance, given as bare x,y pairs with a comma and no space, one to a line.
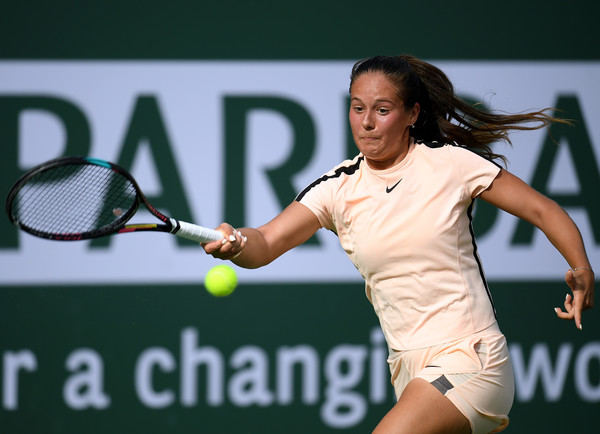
237,110
77,142
147,128
586,169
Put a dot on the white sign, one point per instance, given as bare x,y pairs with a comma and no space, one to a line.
191,103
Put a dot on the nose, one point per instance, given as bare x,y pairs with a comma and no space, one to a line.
368,120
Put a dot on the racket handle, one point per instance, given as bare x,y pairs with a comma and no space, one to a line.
195,232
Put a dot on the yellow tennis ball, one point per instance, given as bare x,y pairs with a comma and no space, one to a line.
221,280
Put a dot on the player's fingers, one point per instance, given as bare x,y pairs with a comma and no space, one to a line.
562,314
568,308
577,309
582,287
228,233
577,318
573,311
242,238
220,247
232,240
568,303
233,245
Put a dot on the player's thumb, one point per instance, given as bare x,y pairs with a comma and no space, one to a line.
570,279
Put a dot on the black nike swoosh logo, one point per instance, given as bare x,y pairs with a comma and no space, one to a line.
389,189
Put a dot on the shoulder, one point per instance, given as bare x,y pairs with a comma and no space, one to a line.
431,144
347,167
457,153
342,171
436,146
435,150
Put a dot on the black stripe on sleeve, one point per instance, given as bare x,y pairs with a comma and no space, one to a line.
347,170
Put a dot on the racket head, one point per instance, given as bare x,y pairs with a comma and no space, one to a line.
73,198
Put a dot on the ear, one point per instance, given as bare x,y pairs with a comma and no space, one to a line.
414,113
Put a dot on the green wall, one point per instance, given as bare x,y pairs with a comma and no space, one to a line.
262,29
83,345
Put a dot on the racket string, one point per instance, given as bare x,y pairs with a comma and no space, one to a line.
75,199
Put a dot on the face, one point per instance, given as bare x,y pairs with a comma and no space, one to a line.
380,123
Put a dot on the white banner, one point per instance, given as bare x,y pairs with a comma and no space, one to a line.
190,101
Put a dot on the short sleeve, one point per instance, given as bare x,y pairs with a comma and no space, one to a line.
477,172
317,198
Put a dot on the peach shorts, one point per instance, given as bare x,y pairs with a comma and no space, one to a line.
474,373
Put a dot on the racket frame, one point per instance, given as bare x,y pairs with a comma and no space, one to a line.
120,225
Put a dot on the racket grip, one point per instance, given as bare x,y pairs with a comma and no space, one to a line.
195,232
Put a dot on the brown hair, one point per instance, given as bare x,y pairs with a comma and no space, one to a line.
444,117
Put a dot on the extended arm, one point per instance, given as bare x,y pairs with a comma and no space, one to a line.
512,195
253,248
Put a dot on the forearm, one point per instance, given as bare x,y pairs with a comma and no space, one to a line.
512,195
564,235
255,252
253,248
509,193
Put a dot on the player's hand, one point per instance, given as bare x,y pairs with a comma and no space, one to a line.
229,247
581,283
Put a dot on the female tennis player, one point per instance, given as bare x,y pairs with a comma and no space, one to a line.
402,211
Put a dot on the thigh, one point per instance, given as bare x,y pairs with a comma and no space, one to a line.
486,398
422,409
476,376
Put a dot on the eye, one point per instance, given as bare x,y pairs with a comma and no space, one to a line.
383,111
357,109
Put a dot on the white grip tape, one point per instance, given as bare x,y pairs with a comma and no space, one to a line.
195,232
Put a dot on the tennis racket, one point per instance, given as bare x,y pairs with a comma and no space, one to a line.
75,198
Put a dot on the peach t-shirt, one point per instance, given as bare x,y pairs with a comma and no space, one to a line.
408,231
